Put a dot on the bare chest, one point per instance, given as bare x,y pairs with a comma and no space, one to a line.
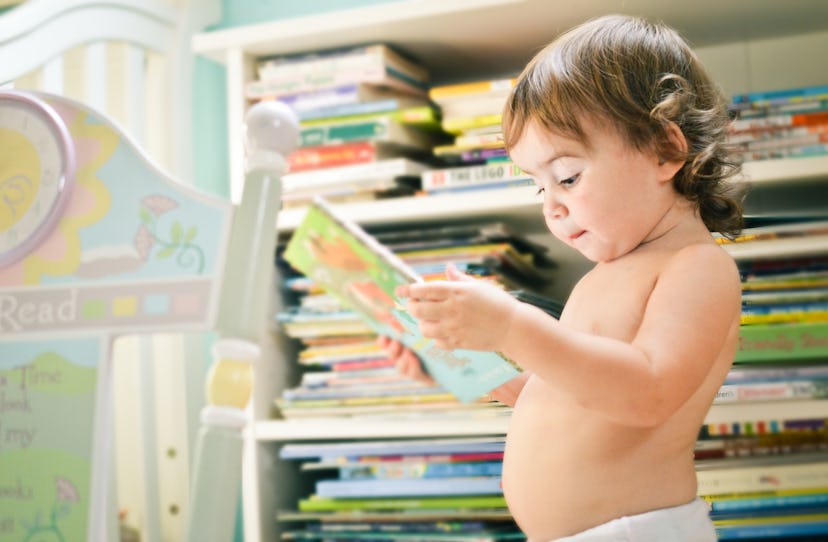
611,299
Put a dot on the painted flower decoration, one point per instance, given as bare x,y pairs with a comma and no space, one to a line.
66,491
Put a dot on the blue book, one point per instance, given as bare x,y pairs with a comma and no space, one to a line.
420,469
379,448
772,503
770,530
363,274
778,96
409,487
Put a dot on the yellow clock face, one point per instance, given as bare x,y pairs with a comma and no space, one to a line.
36,171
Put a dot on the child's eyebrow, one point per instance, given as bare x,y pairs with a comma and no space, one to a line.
548,161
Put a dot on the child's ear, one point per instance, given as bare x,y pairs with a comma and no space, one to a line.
678,143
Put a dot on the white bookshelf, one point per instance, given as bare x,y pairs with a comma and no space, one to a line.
468,39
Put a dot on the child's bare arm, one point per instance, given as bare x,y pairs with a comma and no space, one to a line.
689,316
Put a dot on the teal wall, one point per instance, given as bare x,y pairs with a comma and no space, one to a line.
210,160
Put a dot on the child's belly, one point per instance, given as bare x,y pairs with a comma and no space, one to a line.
566,470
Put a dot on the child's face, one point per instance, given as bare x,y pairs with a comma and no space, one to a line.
604,200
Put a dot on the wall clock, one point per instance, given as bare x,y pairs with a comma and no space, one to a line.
37,167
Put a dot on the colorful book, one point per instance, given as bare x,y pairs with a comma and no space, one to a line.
392,448
807,498
423,503
352,266
344,94
772,391
410,487
783,120
304,181
787,95
473,98
343,154
779,342
385,105
780,473
383,129
420,469
470,176
325,64
425,117
774,527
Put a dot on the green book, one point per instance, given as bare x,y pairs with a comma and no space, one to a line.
355,268
782,342
318,504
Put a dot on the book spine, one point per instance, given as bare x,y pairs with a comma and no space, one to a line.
459,125
494,185
760,478
436,179
802,119
783,342
365,364
474,87
786,527
296,83
763,426
769,503
776,132
367,57
412,487
318,504
782,142
776,374
817,149
345,132
782,95
306,158
478,140
409,469
358,108
383,169
419,116
772,391
306,101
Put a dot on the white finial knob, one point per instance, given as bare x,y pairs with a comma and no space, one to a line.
271,132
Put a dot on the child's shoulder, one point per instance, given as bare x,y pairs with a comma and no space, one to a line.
703,259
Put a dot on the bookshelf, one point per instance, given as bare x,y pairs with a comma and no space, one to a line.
454,38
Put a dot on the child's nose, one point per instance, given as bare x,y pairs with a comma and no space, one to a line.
553,208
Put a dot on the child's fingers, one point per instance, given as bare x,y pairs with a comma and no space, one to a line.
410,366
452,273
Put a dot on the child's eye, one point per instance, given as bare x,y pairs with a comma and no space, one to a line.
539,192
569,181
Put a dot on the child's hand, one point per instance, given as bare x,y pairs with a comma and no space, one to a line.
408,364
460,312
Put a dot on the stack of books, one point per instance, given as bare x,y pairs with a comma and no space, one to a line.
785,123
367,124
764,469
477,158
767,498
420,490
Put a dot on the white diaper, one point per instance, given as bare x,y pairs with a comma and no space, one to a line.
685,523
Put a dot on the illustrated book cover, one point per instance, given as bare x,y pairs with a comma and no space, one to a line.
351,265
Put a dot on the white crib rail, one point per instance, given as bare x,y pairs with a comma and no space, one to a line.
38,31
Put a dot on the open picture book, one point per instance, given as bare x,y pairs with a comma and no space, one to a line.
349,264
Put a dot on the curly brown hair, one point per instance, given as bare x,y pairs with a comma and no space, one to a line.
641,77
